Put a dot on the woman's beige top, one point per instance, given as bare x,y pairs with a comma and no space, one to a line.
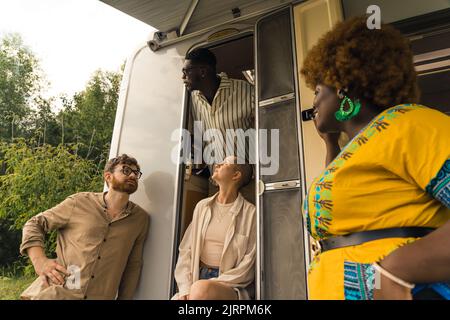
215,234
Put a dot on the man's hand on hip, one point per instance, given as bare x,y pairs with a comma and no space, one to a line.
47,268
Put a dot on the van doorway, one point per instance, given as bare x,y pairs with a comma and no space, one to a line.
235,57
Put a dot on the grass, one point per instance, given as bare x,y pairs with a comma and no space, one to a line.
11,288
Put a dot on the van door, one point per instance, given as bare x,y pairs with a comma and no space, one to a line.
312,19
282,257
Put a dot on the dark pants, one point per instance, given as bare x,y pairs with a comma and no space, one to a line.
208,273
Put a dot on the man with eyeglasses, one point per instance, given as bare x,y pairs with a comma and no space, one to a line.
100,240
220,103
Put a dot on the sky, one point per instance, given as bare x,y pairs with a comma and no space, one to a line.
73,38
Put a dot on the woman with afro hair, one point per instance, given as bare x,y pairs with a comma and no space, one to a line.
380,209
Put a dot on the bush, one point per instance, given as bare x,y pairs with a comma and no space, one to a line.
36,178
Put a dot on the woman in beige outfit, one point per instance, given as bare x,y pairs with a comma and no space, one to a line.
217,254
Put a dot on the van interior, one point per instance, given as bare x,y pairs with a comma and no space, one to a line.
235,57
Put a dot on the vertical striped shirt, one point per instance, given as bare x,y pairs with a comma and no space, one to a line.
233,107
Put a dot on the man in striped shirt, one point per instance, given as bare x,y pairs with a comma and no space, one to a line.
221,104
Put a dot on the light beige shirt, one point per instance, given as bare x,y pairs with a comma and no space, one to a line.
233,107
237,263
215,234
107,253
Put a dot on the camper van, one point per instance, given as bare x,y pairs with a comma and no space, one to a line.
263,42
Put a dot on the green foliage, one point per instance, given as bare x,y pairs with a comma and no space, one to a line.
20,83
45,155
42,124
39,177
86,119
9,242
89,118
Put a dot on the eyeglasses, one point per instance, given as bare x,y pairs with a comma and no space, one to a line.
127,171
187,70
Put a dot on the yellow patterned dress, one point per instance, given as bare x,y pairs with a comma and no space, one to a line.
394,173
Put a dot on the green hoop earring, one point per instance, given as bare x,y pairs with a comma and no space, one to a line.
353,110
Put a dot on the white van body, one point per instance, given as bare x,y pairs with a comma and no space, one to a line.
153,108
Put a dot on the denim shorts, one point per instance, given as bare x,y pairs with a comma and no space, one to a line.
208,273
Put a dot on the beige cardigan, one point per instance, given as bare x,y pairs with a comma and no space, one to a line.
237,266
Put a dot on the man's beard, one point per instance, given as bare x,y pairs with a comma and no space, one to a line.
125,187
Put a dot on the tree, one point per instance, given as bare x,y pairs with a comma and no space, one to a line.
42,124
46,156
89,118
20,83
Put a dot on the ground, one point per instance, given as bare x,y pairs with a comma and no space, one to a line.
11,288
